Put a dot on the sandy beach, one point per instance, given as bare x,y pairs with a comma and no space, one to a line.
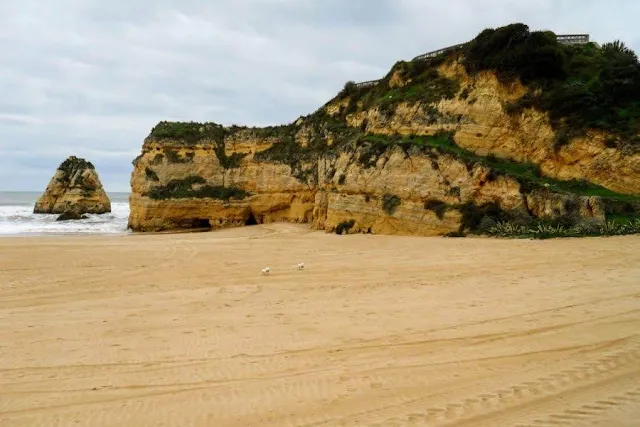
183,330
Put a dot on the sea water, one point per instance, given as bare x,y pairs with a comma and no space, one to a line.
17,217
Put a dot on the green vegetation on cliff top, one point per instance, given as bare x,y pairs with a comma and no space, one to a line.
194,187
189,133
73,164
70,167
581,86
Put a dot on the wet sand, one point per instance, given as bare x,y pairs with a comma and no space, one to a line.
183,330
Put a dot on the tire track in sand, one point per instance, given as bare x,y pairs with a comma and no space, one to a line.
590,413
474,409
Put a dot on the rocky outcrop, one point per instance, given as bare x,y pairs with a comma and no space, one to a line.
75,187
70,215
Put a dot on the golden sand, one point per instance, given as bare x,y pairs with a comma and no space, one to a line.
183,330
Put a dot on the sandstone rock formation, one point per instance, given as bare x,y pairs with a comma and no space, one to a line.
75,187
481,124
414,190
432,149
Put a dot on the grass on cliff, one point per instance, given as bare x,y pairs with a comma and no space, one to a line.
318,129
184,189
193,132
622,207
174,157
427,86
190,133
581,86
73,164
390,203
151,174
526,173
70,167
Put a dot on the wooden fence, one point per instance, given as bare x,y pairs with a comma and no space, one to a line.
562,38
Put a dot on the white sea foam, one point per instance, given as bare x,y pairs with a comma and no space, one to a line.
20,219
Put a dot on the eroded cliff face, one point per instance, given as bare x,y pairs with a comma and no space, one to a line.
275,194
415,191
74,187
478,115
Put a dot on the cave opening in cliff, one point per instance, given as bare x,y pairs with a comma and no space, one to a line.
251,220
200,223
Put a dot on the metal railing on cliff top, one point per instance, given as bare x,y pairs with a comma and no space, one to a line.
562,38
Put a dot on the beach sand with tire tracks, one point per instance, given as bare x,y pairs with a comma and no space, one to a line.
183,329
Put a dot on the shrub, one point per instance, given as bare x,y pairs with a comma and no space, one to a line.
454,191
173,156
285,150
492,175
228,162
349,88
437,206
342,179
512,51
73,164
79,181
561,139
188,132
473,215
546,230
157,159
151,174
345,226
486,224
183,189
371,148
390,203
581,86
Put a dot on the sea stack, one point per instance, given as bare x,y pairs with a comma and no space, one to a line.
75,187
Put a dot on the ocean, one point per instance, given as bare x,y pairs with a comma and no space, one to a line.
17,217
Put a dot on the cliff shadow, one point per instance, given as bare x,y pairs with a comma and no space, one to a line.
195,223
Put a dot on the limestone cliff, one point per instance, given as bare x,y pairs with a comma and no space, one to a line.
408,188
443,146
74,187
479,118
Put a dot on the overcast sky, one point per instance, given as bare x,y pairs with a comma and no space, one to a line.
92,77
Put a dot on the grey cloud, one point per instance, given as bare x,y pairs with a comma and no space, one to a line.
91,78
